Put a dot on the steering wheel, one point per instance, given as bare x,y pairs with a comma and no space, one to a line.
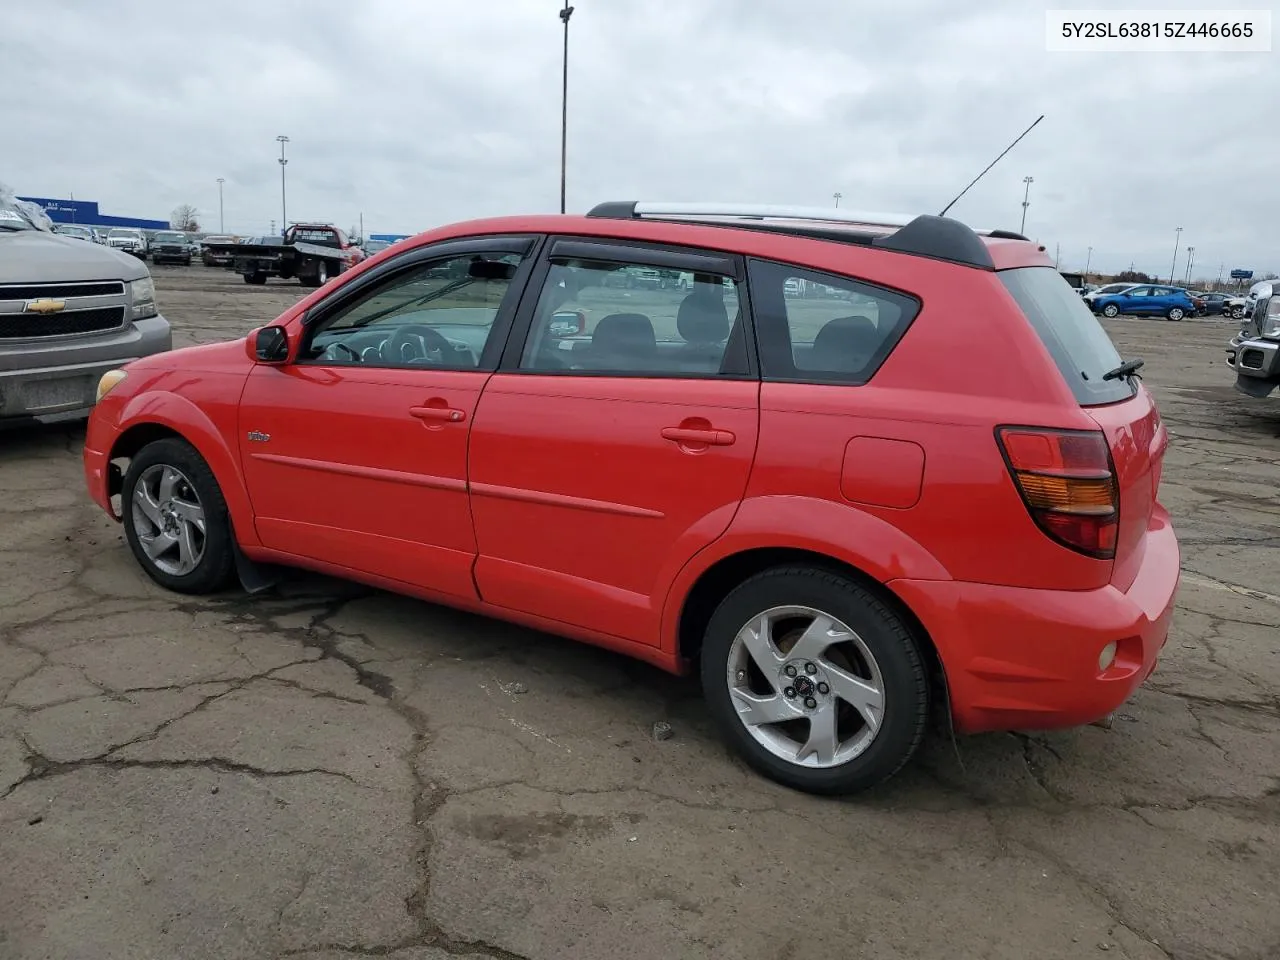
339,345
415,342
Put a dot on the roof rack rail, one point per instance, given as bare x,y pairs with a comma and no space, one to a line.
920,234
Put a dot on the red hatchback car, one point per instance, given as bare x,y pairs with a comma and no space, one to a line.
854,467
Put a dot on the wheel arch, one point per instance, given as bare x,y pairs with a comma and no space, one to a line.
155,416
715,582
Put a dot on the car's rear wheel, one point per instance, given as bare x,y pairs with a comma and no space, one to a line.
257,278
814,681
1111,311
175,518
1175,313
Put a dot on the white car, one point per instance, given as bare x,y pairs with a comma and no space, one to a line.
129,240
1106,291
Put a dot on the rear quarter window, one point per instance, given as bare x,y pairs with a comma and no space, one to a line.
1070,332
823,328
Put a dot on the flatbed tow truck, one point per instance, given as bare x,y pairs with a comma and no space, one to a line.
311,252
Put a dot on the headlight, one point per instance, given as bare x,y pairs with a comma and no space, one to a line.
109,381
1270,325
143,294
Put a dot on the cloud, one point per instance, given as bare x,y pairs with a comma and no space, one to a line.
416,113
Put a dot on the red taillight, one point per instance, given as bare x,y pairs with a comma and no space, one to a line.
1067,482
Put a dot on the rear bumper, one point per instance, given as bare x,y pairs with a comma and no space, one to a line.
1018,659
59,375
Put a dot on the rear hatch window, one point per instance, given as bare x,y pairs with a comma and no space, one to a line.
1070,332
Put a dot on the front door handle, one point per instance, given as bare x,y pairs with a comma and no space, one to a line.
446,414
689,435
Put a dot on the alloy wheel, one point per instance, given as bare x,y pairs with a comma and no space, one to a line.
169,520
805,686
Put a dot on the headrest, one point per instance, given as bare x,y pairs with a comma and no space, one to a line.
702,318
845,344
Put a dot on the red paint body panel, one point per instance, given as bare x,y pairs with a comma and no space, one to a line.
588,505
581,503
1020,659
352,472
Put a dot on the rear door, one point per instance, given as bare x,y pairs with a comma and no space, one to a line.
600,464
1122,408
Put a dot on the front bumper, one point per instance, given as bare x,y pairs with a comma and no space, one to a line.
59,375
1019,659
1256,363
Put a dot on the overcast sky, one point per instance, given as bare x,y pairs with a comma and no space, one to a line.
420,112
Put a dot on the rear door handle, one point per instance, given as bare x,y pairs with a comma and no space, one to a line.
447,414
714,438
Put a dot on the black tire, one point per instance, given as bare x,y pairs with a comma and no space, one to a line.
257,278
1111,311
186,262
1237,313
901,666
217,562
1175,313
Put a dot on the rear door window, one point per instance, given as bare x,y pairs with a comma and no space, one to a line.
1073,336
822,328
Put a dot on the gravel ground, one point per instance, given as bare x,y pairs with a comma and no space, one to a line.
328,771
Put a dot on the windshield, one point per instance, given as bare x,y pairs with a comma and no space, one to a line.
1070,332
126,234
167,237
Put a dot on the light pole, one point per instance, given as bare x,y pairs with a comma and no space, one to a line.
1026,202
284,219
222,228
1088,260
838,195
1191,258
1177,237
565,13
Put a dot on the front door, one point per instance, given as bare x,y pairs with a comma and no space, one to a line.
610,448
356,454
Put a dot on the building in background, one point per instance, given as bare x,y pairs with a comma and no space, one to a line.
85,213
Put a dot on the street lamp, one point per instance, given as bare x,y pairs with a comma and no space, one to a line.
1191,258
1027,193
1088,260
1177,237
284,220
565,13
838,195
222,227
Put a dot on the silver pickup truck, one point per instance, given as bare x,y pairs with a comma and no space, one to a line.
69,312
1254,352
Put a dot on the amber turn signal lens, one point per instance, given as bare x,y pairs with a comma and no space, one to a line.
1066,480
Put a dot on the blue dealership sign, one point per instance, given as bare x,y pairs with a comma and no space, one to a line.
1241,274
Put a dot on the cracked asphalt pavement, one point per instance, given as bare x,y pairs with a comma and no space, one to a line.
326,771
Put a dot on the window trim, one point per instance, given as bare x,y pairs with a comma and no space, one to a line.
773,339
385,274
637,253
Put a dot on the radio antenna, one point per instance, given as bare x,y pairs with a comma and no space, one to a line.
989,166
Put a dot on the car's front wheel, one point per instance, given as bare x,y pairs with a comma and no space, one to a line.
814,681
1237,313
175,518
1111,311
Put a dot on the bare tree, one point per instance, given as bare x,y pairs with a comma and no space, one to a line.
184,218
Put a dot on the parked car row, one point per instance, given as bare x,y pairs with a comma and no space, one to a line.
1161,300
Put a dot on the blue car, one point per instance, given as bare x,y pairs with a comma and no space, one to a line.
1173,303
